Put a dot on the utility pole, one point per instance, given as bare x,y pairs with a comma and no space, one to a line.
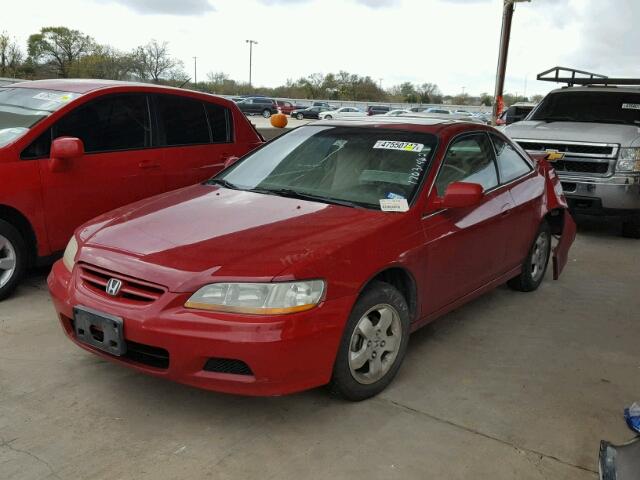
380,80
251,44
505,35
195,70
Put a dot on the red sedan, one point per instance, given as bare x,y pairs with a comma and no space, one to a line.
311,260
73,149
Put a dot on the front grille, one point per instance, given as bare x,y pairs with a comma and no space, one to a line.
147,355
137,291
227,365
581,167
578,149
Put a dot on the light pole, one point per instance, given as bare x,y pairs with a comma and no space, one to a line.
195,70
505,35
251,44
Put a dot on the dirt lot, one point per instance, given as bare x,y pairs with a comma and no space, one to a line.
511,386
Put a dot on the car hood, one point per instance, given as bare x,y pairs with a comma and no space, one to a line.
186,238
624,135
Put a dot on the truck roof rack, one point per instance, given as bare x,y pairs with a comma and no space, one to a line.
572,77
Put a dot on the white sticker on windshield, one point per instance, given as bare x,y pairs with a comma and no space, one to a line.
57,97
394,204
404,146
631,106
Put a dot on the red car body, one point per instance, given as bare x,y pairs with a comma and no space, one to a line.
46,199
175,243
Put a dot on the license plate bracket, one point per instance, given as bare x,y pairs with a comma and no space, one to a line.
100,330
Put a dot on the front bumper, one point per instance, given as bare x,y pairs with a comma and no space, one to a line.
285,354
616,195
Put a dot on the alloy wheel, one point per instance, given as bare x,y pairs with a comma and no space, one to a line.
375,344
8,260
540,255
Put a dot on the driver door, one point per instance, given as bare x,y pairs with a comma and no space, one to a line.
465,247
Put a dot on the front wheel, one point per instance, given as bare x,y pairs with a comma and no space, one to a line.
300,116
373,344
535,265
328,117
13,258
266,113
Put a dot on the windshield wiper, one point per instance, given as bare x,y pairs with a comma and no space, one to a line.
290,193
223,183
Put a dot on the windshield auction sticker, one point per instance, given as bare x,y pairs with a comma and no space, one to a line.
404,146
394,204
58,97
631,106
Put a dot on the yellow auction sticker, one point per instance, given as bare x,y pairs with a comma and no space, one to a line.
404,146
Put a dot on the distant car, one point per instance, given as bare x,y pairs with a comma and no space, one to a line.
418,109
344,112
74,149
378,110
463,113
285,106
397,112
442,111
515,113
322,104
309,112
258,106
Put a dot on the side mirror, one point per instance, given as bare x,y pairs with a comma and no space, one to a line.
460,195
230,161
63,149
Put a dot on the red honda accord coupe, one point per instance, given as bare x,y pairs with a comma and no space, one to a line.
311,260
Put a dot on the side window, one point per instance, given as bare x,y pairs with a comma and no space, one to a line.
510,164
182,121
220,122
469,159
115,122
39,148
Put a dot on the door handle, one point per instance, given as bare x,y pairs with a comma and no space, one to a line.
147,164
505,210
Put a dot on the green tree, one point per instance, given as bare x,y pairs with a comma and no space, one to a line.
486,99
106,62
60,47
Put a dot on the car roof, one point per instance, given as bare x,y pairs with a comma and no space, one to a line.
414,123
597,88
80,85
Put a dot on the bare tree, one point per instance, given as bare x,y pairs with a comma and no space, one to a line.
153,62
60,46
10,56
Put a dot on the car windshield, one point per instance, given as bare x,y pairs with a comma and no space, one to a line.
596,107
22,108
352,166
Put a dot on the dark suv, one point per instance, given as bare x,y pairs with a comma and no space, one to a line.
378,110
258,106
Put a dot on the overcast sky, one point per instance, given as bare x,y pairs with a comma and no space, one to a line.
452,43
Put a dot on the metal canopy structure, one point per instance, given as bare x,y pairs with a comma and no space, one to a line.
573,77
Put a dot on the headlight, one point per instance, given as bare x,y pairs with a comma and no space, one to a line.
258,298
69,257
629,160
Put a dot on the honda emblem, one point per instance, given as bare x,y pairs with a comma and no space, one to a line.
113,287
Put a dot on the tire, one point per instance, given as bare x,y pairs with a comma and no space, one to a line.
266,113
365,373
535,265
13,258
328,117
300,116
631,228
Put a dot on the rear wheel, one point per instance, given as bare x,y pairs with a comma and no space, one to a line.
266,113
328,117
535,265
373,344
13,258
631,228
300,116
